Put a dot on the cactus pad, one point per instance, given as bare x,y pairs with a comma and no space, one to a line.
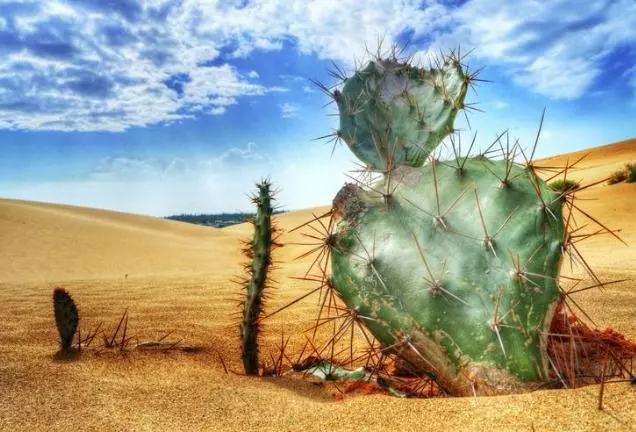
393,113
452,266
456,269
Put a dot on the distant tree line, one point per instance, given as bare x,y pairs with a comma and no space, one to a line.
219,220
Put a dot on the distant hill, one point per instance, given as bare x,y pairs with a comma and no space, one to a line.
216,220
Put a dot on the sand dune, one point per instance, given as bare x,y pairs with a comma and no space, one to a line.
57,242
596,163
178,280
612,205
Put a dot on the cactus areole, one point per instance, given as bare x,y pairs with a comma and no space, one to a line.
453,266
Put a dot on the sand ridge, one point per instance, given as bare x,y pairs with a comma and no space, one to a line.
58,242
179,280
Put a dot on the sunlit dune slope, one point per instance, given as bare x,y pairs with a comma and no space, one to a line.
612,205
595,163
41,241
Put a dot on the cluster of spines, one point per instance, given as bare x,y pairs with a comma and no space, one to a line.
66,318
258,250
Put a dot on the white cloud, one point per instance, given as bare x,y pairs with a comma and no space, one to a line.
215,184
289,110
630,76
501,104
102,66
86,65
546,75
125,168
553,48
120,168
237,154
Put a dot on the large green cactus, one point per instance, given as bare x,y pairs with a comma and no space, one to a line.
259,252
452,265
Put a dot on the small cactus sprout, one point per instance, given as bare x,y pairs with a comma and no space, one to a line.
66,318
562,186
259,252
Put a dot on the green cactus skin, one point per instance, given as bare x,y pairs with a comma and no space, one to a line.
467,305
395,113
259,251
66,318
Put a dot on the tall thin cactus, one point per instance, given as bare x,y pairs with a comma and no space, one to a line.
259,252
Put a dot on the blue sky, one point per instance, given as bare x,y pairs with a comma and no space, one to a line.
160,107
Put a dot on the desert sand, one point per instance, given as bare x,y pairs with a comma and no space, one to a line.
175,277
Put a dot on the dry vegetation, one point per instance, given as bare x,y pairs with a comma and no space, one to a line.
175,277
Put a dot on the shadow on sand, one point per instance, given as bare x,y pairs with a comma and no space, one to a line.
317,391
66,356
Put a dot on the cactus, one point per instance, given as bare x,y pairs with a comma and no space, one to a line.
259,253
66,318
452,266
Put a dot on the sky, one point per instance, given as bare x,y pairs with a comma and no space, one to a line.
162,107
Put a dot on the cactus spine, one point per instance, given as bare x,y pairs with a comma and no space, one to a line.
259,253
66,318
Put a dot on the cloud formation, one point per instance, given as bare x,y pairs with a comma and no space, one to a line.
556,48
165,186
124,168
289,110
94,65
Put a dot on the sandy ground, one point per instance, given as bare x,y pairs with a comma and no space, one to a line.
175,277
